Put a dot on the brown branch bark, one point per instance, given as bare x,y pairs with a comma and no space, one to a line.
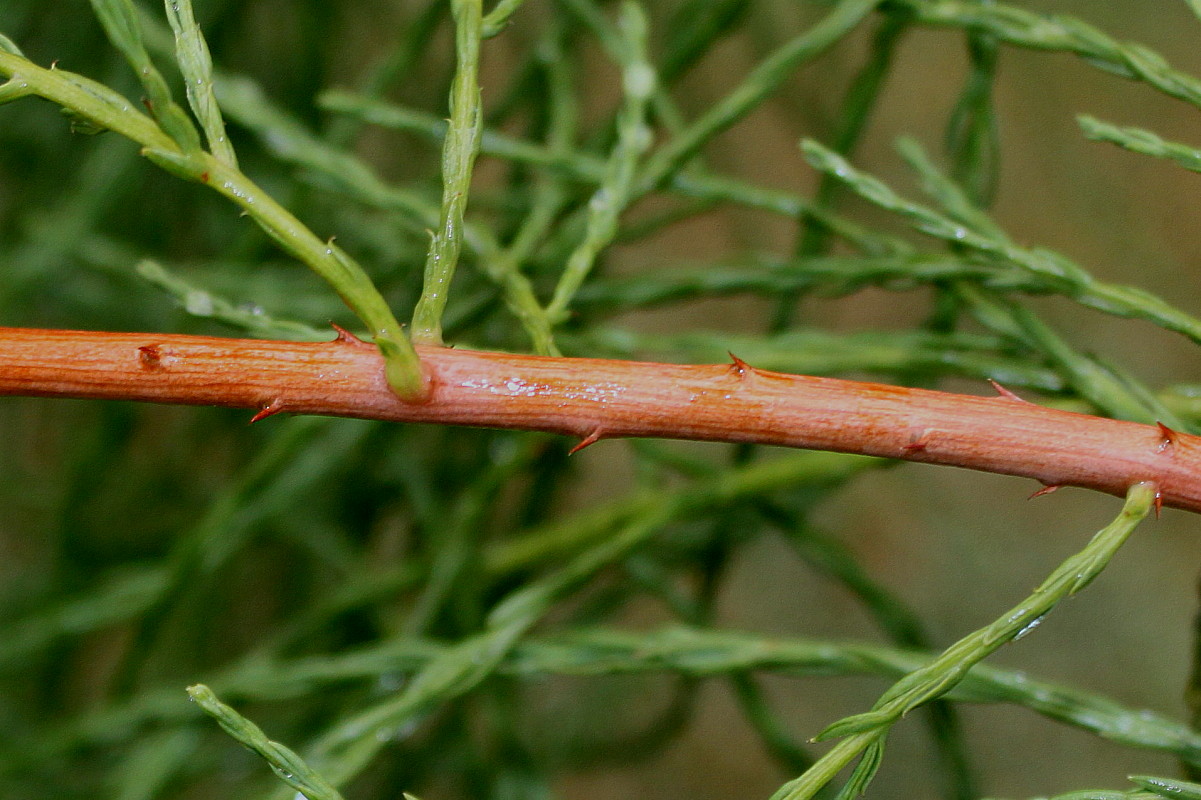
597,399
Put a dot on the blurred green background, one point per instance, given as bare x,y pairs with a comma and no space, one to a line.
148,548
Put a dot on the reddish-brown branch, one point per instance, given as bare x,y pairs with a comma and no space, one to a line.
596,399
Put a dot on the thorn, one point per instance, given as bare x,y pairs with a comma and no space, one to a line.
591,438
1003,392
271,409
204,177
1168,437
1050,487
344,336
739,367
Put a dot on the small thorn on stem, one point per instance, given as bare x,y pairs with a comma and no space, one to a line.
919,442
345,336
1167,437
739,367
1003,392
1050,487
271,409
591,438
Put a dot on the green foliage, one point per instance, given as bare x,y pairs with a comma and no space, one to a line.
406,607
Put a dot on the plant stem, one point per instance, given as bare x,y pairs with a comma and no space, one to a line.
458,157
633,138
596,399
865,733
103,108
290,767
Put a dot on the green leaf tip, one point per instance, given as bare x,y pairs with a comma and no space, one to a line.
1167,787
196,67
285,763
9,46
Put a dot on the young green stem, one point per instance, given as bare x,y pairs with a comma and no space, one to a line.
105,109
458,158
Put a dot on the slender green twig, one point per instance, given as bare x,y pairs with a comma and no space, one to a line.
108,110
550,196
972,137
196,67
124,30
1149,788
827,277
348,747
695,27
244,101
458,158
1141,141
584,166
417,40
1108,392
290,767
203,303
633,139
696,652
764,79
857,106
351,744
1167,787
891,614
660,105
1061,275
865,733
1017,26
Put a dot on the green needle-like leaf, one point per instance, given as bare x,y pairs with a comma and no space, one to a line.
290,767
